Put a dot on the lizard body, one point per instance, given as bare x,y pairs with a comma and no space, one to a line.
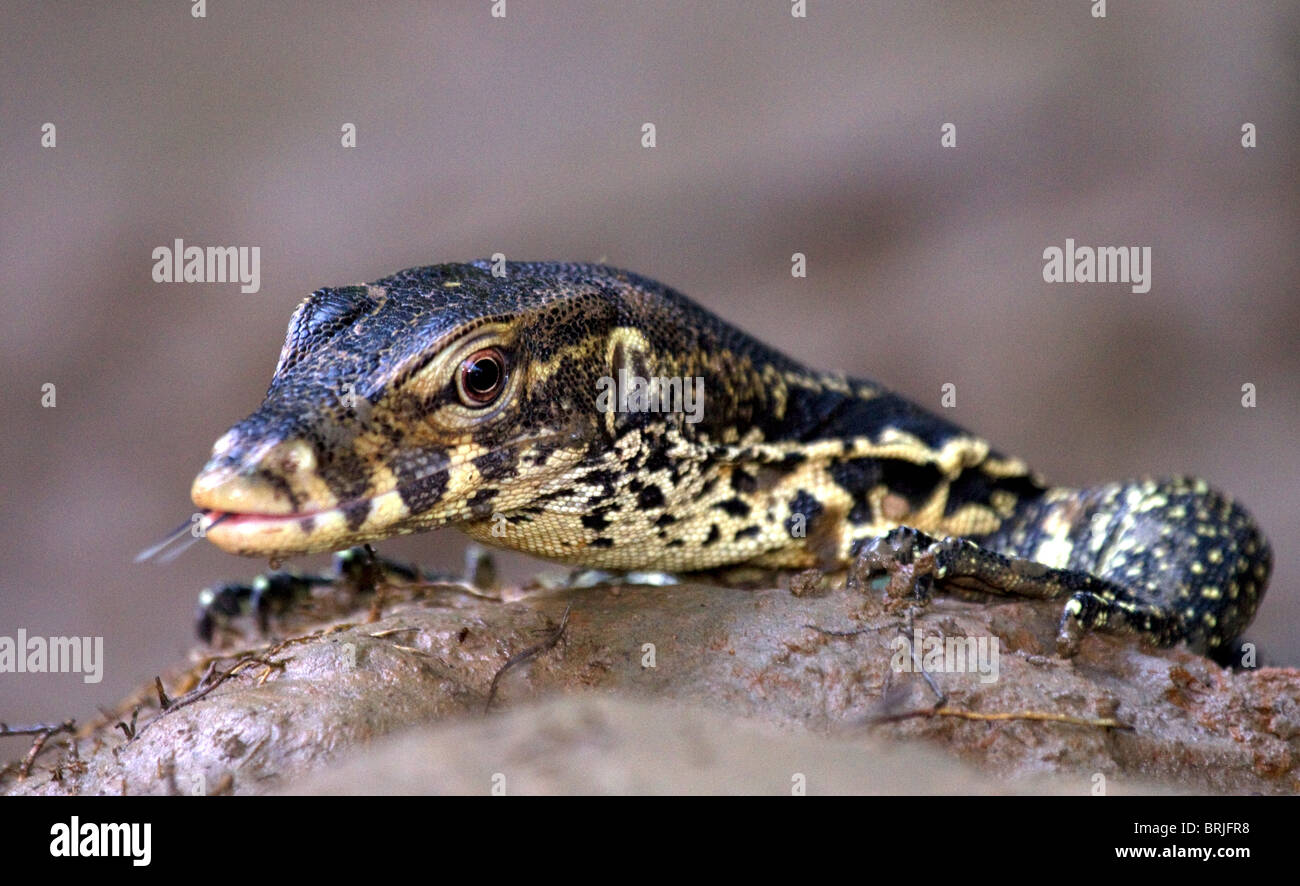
447,396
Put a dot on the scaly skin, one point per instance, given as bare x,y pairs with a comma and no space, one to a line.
367,432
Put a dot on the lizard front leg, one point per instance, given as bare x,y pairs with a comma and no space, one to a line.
358,569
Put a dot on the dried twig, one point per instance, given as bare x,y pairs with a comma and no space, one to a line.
43,732
530,652
163,701
1047,716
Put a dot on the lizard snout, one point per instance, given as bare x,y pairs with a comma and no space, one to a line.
278,479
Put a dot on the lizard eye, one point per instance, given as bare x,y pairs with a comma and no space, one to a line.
482,377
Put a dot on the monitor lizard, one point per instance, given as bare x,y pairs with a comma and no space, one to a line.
450,395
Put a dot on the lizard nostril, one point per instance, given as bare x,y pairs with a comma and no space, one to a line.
298,457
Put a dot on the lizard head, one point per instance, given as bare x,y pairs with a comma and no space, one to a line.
443,395
439,395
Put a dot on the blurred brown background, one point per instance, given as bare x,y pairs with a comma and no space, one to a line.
522,135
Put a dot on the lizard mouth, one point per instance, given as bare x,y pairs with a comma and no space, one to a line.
250,534
275,535
235,518
268,534
303,532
